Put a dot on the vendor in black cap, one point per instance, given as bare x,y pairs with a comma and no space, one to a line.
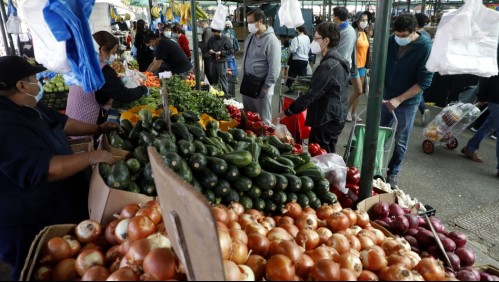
41,181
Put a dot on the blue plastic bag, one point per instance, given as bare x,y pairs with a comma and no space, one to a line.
11,9
232,64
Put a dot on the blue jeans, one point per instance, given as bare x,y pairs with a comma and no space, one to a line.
405,116
489,126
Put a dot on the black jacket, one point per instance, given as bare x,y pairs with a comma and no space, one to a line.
144,54
114,88
327,99
222,44
488,87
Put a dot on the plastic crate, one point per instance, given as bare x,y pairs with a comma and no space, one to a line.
55,100
231,86
430,211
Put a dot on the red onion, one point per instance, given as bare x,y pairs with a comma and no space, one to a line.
422,221
411,232
413,220
412,241
484,276
399,225
387,219
425,238
448,244
382,223
467,275
458,238
436,252
454,260
472,269
395,210
380,210
437,225
467,256
406,210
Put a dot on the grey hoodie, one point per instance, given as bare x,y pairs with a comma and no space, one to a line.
264,57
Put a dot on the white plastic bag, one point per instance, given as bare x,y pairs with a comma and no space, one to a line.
14,25
466,42
219,17
334,169
131,79
290,14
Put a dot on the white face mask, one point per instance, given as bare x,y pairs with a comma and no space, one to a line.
315,47
363,25
402,41
252,28
168,34
111,59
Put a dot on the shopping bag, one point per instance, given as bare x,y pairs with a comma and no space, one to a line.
290,14
14,25
219,17
466,42
232,65
334,168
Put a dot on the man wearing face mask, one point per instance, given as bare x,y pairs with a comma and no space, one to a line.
262,58
167,52
94,107
220,48
405,80
42,182
327,99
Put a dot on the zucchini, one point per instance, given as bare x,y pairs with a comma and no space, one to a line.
147,188
270,151
281,146
255,150
246,202
317,203
185,148
279,197
232,196
311,195
255,192
190,115
127,145
243,184
197,161
303,200
114,139
207,178
265,180
133,165
126,125
222,188
321,186
172,160
133,187
232,173
238,134
226,136
212,151
294,183
140,153
237,158
282,182
252,170
292,197
138,175
197,132
310,170
159,125
181,131
196,185
270,206
134,133
165,145
212,124
177,118
104,169
259,204
285,161
328,198
305,156
200,147
272,165
217,165
295,159
209,195
307,184
146,118
119,176
146,138
267,194
241,146
168,136
184,171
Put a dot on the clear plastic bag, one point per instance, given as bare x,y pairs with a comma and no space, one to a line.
290,14
219,17
132,78
334,169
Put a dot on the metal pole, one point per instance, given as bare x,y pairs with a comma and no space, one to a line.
150,15
330,17
355,6
195,44
408,6
11,50
324,9
423,6
245,24
383,18
4,36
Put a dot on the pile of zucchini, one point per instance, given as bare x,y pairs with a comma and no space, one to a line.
258,172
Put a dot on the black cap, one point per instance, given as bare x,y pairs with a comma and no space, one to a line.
358,15
15,68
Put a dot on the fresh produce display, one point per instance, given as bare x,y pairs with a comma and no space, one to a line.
133,64
417,232
56,84
55,93
252,122
152,101
315,149
301,84
234,113
151,80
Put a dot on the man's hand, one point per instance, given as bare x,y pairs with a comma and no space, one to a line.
211,51
392,104
479,104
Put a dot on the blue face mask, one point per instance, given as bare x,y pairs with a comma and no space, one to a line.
111,59
402,41
38,95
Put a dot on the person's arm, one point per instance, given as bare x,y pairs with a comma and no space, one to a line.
483,86
77,128
236,45
294,45
155,64
114,88
227,48
62,167
274,60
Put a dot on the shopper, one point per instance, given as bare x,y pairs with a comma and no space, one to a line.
93,107
346,47
144,54
326,101
405,80
168,52
42,182
487,93
298,61
206,35
231,60
220,48
361,59
422,20
262,58
182,40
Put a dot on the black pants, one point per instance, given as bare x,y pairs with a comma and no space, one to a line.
218,73
296,68
207,69
326,135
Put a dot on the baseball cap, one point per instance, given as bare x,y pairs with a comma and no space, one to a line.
15,68
358,15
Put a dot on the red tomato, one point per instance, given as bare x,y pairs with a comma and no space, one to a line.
297,149
322,152
353,175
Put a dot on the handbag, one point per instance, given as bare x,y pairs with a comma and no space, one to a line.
251,85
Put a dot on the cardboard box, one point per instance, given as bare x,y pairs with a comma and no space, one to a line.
368,203
117,153
36,247
104,202
82,145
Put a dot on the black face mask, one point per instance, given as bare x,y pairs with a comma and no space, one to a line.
217,36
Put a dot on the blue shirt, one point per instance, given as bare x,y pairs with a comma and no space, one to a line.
402,73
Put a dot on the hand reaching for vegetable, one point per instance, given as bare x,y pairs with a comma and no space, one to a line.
100,156
107,126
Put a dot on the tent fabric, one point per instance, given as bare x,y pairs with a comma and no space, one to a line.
68,21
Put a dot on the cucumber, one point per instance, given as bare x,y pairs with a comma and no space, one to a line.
267,194
294,183
259,204
217,165
185,148
255,150
133,165
311,195
165,145
252,170
282,147
242,184
147,188
104,169
197,133
159,125
281,182
197,161
246,202
184,171
328,198
200,147
315,204
133,187
265,180
226,136
241,146
147,173
208,193
279,197
181,131
270,206
306,157
321,186
190,115
238,158
285,161
270,151
207,178
232,196
222,188
297,160
303,200
292,197
177,118
272,165
172,160
307,184
238,134
146,118
232,173
212,151
255,192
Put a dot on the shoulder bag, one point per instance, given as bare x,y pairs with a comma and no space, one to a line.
251,85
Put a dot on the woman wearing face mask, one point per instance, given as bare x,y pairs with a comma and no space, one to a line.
327,99
144,54
361,59
94,107
42,182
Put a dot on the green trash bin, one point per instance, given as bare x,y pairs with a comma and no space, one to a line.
385,136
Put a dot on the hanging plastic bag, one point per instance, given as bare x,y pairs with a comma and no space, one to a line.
466,42
232,65
219,18
334,168
290,14
13,23
130,80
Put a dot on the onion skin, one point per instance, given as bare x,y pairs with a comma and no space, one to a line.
123,274
87,259
74,244
302,268
431,269
65,270
129,211
395,210
257,264
325,270
96,273
458,238
380,210
43,273
88,231
160,263
258,244
366,275
279,267
467,256
55,250
231,271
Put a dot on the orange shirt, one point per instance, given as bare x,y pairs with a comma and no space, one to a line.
362,47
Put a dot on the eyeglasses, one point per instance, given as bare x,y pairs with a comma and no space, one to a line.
317,38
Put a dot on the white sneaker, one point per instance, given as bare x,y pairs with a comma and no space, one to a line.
425,118
358,118
349,117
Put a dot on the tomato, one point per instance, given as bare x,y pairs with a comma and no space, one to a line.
297,148
353,187
346,202
353,175
248,125
253,116
250,133
314,149
322,152
257,126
